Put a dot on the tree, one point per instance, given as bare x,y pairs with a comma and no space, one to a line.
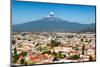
46,52
15,50
39,48
83,48
29,40
15,58
22,61
13,41
82,40
25,63
23,54
90,58
55,59
23,34
70,36
54,53
19,39
76,47
54,43
60,55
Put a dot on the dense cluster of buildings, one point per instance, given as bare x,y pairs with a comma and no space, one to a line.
45,47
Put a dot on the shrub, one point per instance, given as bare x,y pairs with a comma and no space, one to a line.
60,55
74,57
46,52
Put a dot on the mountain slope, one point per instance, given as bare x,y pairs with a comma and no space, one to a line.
49,24
90,28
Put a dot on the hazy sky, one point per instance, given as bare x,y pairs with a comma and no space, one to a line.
23,12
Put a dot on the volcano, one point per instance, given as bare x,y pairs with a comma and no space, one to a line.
50,23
